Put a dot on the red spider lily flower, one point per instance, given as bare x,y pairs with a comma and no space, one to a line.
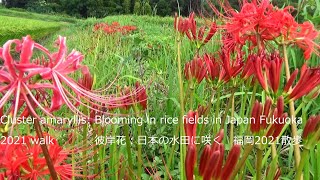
250,20
231,68
195,69
279,117
273,71
192,34
138,98
214,167
86,81
311,127
191,158
204,158
24,159
272,66
248,69
261,114
212,164
258,111
303,35
203,110
309,80
231,161
260,21
190,125
23,78
180,24
114,27
213,67
258,66
141,95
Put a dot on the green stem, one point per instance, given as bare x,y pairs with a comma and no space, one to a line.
253,99
304,159
209,108
114,154
294,128
232,124
128,146
259,163
182,147
84,163
217,111
227,108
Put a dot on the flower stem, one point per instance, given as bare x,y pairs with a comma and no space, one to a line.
259,163
182,147
217,110
227,108
304,159
232,124
44,147
84,154
128,146
292,111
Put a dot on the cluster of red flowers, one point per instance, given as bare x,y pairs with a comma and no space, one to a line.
259,21
312,126
24,159
266,111
256,24
113,28
211,163
129,99
28,82
188,27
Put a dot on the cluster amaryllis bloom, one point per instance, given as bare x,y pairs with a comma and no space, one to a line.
272,66
309,80
190,127
268,70
259,21
261,115
139,98
312,126
230,67
188,27
195,70
22,78
207,66
114,27
24,159
211,164
213,67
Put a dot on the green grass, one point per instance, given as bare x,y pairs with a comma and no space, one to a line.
36,16
15,28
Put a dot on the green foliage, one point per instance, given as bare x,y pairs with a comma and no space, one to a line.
16,12
147,9
163,8
137,7
15,28
126,6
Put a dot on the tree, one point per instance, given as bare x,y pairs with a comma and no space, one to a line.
164,8
147,8
126,6
137,7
